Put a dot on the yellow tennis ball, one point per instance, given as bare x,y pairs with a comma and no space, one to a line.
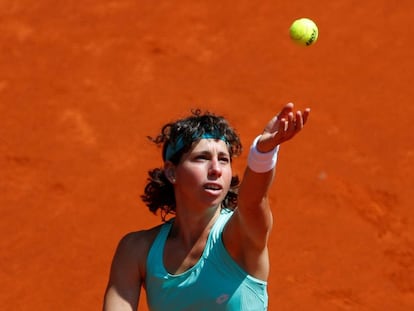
304,31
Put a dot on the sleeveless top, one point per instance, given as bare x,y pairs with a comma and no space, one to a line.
215,282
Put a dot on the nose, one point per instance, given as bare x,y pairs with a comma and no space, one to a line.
215,169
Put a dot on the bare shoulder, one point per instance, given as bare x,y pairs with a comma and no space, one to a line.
139,240
133,249
128,269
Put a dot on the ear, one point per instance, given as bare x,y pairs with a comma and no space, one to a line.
169,171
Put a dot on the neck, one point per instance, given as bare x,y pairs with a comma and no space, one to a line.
190,226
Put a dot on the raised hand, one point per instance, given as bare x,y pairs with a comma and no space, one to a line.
282,127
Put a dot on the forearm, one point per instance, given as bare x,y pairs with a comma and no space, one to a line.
259,174
254,208
255,186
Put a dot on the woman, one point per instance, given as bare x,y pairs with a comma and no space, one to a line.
212,254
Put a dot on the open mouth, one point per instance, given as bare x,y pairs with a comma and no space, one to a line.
213,187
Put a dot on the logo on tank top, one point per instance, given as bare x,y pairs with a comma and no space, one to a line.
222,299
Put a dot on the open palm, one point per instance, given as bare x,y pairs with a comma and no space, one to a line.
282,127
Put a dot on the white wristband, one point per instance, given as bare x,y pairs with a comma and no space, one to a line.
261,162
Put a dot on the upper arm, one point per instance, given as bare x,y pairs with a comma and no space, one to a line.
246,234
126,275
253,215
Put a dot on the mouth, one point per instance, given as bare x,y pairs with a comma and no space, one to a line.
213,187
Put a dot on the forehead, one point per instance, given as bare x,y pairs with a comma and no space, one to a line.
210,144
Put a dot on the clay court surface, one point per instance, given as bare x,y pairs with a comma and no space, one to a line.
82,83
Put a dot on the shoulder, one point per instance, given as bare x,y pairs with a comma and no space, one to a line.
250,255
138,242
142,238
128,268
133,248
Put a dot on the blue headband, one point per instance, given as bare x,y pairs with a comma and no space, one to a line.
173,149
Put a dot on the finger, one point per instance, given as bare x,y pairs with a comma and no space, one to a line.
306,113
299,121
291,125
283,126
286,110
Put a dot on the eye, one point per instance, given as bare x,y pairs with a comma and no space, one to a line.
224,159
202,157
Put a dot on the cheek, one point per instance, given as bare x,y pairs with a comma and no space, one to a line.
190,175
228,175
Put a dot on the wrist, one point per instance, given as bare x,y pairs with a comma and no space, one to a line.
261,162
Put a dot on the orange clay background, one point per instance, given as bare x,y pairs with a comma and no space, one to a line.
83,82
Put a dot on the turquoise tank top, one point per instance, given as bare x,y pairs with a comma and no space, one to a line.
215,282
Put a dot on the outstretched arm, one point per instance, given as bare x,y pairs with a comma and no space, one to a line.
253,220
254,208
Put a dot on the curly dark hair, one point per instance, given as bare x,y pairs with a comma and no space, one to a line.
159,192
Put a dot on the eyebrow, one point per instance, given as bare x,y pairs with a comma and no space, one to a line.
204,151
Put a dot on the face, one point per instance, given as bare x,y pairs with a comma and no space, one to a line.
203,176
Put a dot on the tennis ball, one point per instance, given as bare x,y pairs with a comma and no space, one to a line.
304,31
